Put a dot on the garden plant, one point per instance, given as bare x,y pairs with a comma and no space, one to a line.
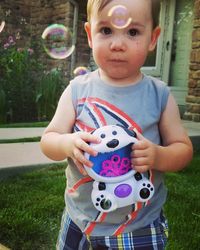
28,92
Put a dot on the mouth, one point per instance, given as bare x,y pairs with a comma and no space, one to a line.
117,61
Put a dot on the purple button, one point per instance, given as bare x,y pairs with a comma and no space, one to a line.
123,190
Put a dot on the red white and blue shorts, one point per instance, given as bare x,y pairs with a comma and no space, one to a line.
151,237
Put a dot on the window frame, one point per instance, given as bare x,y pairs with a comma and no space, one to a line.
164,45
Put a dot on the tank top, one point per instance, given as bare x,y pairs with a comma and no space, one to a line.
96,104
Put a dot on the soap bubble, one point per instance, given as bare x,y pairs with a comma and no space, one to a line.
81,70
2,26
119,16
58,41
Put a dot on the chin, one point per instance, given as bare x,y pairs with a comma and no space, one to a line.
118,76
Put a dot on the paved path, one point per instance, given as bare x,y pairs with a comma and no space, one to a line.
4,248
17,133
18,157
193,128
14,155
21,154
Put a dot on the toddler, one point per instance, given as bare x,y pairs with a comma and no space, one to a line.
117,93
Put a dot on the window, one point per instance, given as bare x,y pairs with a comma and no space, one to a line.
154,63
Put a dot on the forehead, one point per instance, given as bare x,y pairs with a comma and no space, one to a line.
137,9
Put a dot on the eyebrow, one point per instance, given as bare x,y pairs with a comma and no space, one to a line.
102,23
137,24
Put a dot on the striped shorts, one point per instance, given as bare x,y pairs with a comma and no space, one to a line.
151,237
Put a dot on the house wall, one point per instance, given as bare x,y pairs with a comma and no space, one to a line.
31,17
38,14
82,48
193,98
16,14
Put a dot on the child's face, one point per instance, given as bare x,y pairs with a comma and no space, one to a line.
120,53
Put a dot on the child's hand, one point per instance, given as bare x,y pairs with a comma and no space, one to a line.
143,154
77,145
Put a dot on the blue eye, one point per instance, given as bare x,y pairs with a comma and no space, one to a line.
114,132
106,31
133,32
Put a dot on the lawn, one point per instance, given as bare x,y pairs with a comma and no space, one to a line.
24,125
183,207
31,206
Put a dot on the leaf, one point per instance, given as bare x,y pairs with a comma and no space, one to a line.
38,97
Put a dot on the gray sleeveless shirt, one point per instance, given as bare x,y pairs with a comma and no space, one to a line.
141,104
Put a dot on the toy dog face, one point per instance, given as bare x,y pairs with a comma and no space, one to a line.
113,159
113,137
116,183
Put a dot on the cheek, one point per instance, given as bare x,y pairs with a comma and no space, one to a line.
99,54
139,55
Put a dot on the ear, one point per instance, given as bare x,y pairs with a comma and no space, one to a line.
128,131
154,38
88,31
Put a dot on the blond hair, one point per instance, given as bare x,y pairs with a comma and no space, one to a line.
98,5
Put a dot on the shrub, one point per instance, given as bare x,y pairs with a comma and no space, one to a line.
18,82
48,93
27,93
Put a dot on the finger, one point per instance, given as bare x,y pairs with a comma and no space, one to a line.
80,167
78,155
82,145
140,165
138,153
141,169
141,161
90,137
140,145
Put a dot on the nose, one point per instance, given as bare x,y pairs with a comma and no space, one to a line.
117,44
113,143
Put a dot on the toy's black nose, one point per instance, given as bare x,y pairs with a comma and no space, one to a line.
112,144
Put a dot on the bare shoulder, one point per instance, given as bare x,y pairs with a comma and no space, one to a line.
64,117
170,125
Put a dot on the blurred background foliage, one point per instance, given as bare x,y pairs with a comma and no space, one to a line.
27,91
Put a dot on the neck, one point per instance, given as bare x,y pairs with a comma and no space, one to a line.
134,79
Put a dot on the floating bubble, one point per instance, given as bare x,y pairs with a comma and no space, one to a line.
81,70
119,16
2,26
58,41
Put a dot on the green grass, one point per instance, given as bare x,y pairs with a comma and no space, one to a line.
31,206
24,125
183,207
21,140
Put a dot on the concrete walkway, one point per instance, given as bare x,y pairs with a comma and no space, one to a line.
4,248
18,133
19,155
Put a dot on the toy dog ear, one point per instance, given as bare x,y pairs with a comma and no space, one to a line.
121,126
92,132
128,131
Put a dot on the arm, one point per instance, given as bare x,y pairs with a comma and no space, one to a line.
176,151
58,142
